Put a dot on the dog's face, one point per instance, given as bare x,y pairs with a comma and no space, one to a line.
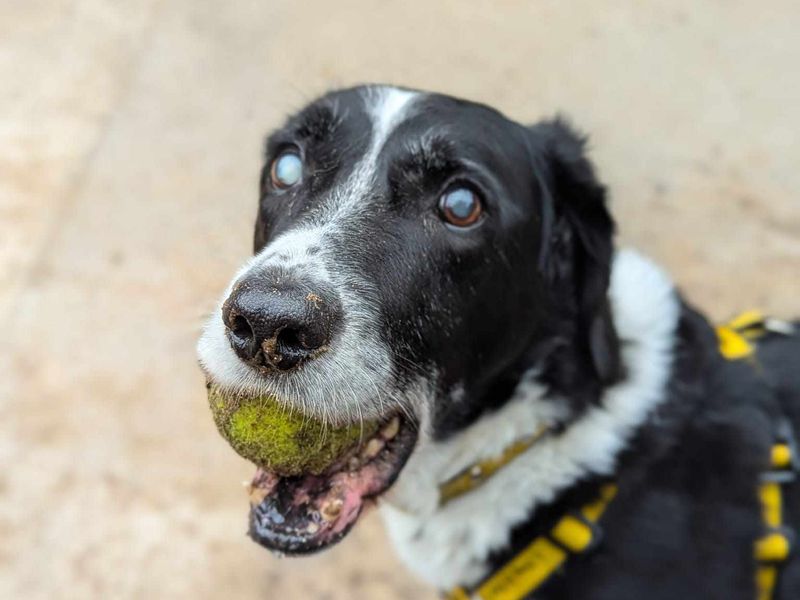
415,254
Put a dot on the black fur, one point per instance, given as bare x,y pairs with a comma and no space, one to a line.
548,231
528,288
687,514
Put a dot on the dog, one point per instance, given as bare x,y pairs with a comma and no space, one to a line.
563,423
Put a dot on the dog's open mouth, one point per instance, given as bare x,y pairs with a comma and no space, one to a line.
306,513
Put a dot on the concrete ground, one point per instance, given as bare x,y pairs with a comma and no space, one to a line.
130,135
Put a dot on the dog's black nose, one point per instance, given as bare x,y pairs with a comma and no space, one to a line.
276,323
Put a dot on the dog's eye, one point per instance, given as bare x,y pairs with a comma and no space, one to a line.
286,170
460,207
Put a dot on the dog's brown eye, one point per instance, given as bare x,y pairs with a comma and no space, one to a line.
286,170
461,207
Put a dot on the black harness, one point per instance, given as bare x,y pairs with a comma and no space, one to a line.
579,531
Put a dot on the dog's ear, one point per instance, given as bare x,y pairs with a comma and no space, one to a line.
577,241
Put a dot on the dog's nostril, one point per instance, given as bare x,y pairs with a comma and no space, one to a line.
292,345
241,328
305,339
289,338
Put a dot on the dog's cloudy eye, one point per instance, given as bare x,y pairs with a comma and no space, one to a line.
286,170
460,207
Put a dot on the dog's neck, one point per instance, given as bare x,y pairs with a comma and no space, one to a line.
449,545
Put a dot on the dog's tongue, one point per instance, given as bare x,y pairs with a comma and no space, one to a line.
302,514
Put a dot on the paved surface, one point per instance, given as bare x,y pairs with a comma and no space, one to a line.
129,142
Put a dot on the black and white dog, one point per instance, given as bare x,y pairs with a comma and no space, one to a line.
463,278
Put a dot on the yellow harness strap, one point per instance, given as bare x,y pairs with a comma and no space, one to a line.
773,548
577,532
533,566
736,342
735,336
477,474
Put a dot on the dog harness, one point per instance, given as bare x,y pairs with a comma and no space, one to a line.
579,532
574,533
737,341
474,476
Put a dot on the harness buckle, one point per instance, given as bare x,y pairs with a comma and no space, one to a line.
779,326
779,476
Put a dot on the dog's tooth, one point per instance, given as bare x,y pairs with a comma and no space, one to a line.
331,510
256,495
391,429
353,463
373,447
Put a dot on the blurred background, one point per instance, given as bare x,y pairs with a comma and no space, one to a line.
130,135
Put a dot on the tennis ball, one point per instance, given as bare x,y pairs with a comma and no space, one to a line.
282,440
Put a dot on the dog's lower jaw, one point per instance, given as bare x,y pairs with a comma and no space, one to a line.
448,546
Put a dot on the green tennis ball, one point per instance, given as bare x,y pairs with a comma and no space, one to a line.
282,440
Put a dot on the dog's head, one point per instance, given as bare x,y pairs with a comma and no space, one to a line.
415,255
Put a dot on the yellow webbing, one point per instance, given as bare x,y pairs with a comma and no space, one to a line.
736,342
475,475
537,562
773,547
735,335
534,565
732,344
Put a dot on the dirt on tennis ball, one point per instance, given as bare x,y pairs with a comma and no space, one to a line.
284,441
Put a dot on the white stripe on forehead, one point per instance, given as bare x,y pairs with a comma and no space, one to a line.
387,108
